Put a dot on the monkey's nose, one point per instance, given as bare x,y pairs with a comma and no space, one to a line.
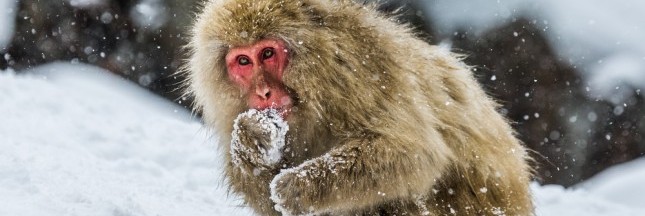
262,88
263,91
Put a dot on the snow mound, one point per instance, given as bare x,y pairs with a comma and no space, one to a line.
616,78
620,184
616,191
77,140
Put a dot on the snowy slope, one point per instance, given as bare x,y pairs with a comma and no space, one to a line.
77,140
617,191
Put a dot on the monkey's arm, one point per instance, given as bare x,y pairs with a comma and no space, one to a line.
258,138
255,156
360,173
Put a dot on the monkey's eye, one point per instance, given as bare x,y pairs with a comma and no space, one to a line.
267,53
243,60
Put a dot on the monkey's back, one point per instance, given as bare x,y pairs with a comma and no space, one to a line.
489,172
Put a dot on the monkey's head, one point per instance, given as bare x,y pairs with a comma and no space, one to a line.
312,64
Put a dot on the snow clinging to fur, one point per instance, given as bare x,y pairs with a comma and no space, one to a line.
271,123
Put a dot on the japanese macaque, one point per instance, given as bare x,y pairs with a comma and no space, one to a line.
328,107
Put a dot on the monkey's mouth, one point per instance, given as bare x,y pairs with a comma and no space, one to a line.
283,102
282,105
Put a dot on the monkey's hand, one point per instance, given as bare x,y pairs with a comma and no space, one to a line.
358,174
258,139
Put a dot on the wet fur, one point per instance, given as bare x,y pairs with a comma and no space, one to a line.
385,123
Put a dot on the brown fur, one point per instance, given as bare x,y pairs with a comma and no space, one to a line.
384,123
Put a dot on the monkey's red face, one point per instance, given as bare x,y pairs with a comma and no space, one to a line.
258,69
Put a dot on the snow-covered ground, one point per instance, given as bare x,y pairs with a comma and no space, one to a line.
77,140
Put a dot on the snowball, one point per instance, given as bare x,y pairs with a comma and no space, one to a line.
273,125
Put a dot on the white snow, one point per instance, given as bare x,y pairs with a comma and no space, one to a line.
86,3
149,14
602,38
616,77
77,140
616,191
271,123
8,10
621,184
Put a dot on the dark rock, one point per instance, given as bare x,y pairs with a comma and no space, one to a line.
547,99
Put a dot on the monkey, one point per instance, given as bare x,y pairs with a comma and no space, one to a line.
329,107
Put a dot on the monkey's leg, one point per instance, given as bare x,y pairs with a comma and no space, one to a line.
359,174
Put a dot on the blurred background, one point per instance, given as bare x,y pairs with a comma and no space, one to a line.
568,73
